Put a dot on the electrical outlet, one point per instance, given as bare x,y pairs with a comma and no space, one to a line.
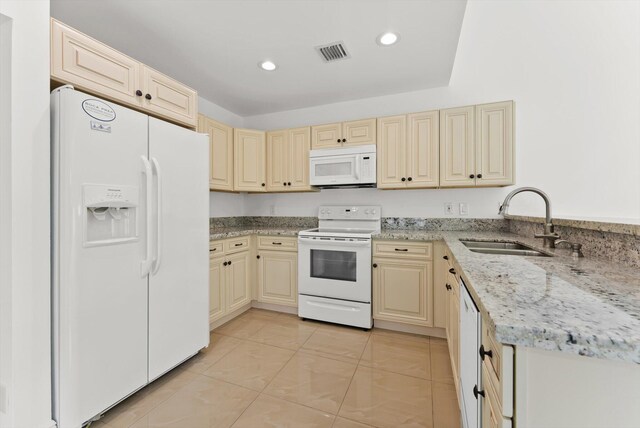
448,208
464,208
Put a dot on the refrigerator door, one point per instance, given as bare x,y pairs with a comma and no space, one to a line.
179,282
99,297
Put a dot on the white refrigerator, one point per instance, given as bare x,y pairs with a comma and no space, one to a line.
130,231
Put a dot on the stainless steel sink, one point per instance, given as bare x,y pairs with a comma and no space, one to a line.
503,248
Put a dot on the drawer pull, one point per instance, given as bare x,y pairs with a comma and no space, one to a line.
402,249
452,270
277,243
212,250
239,245
484,353
476,392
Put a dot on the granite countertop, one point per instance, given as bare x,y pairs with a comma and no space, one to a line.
583,306
232,232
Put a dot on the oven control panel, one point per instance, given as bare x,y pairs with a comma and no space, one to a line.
349,212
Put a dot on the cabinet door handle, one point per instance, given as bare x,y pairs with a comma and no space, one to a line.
484,353
410,179
452,270
212,250
448,286
263,184
479,175
445,257
338,140
477,392
288,183
403,179
344,140
224,264
375,265
258,256
229,263
148,96
138,93
401,249
471,176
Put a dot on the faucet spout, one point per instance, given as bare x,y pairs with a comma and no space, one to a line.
549,236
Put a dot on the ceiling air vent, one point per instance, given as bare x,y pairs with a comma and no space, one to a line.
333,52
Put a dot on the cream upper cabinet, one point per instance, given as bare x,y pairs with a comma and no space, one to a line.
408,151
423,132
238,280
277,161
93,66
299,146
217,302
402,291
391,152
337,135
168,98
457,147
220,153
359,132
249,160
477,145
278,277
495,155
288,160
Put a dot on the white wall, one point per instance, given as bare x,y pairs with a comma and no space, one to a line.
573,69
25,369
216,112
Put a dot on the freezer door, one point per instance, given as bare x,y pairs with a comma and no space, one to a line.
179,282
99,297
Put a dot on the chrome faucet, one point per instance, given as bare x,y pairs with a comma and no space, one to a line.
549,235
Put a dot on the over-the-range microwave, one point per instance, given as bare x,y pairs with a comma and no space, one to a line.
343,167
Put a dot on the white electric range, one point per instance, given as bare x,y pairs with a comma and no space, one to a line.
334,265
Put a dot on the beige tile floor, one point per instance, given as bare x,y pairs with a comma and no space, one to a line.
267,369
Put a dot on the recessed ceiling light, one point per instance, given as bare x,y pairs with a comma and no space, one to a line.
267,65
387,39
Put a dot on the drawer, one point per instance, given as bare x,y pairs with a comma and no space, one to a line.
215,249
498,360
415,250
236,244
492,412
277,243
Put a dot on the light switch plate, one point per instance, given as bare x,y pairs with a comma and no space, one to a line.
464,208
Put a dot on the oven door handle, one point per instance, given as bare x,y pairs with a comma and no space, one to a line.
320,242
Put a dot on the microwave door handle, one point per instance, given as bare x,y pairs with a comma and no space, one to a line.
358,161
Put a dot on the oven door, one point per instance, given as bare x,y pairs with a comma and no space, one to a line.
337,268
334,170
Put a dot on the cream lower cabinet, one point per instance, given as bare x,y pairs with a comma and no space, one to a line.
453,329
407,147
288,160
230,276
402,282
277,270
476,145
220,153
249,153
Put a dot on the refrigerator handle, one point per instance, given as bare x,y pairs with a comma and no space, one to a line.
145,265
158,259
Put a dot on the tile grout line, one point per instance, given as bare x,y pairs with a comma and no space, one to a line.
353,376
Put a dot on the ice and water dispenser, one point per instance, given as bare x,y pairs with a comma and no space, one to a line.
110,214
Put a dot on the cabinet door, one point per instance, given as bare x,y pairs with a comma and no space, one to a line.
249,160
169,98
494,144
454,333
403,291
277,161
457,147
92,66
278,277
299,146
238,286
220,153
326,136
391,152
359,132
216,288
422,150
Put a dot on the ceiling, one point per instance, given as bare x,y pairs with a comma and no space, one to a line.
214,46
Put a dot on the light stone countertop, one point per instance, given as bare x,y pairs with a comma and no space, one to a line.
582,306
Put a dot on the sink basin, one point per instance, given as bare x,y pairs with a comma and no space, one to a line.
503,248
